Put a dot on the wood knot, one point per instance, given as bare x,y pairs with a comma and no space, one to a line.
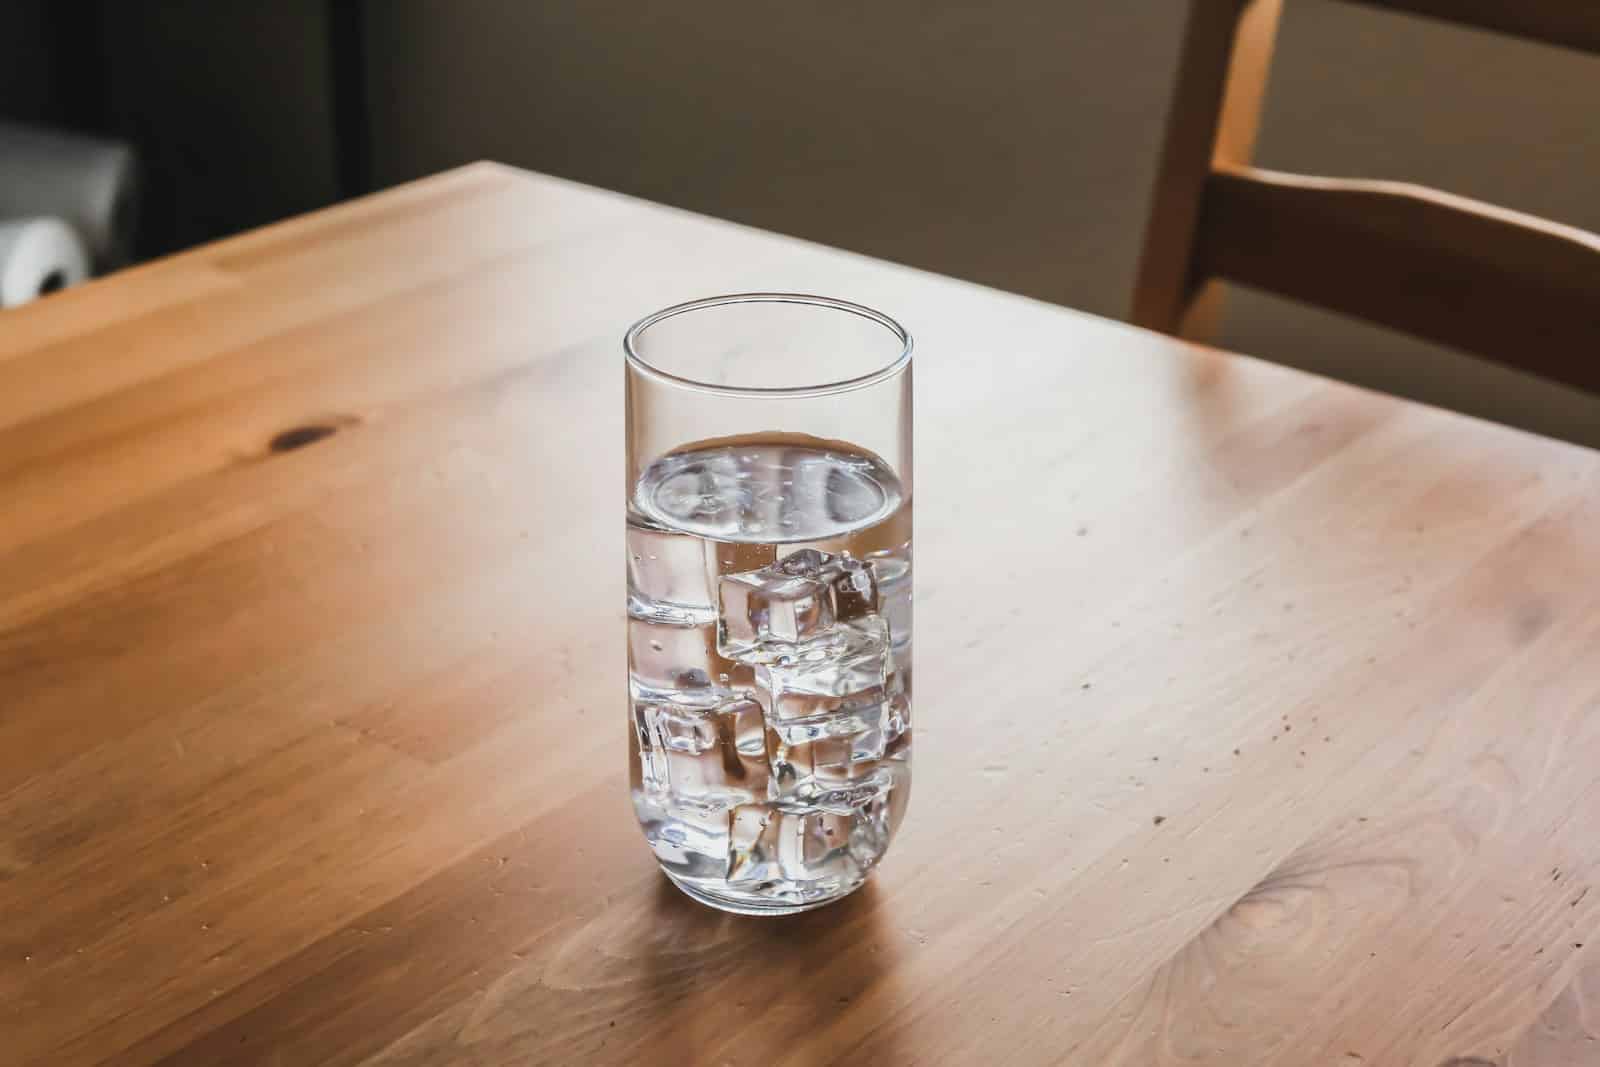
300,436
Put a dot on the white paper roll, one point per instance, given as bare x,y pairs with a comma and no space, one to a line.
38,256
83,180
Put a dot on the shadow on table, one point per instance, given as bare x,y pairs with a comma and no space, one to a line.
729,988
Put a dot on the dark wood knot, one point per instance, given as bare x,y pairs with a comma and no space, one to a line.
300,436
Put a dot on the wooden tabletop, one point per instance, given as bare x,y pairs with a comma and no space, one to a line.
1258,717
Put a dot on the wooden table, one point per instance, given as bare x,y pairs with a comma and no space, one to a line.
1258,719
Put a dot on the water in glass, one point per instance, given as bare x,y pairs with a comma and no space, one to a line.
769,638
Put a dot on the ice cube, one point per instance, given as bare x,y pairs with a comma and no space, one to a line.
690,841
805,600
897,718
802,769
771,607
748,729
897,705
679,729
776,842
852,587
695,744
855,589
846,720
669,655
810,842
735,557
859,719
891,568
869,743
667,569
833,773
652,759
753,845
902,670
819,679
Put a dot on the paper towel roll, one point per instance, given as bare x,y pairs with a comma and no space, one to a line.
86,181
38,256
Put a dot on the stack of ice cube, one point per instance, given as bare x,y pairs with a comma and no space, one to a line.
809,624
765,702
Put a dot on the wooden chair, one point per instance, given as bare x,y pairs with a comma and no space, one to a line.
1511,287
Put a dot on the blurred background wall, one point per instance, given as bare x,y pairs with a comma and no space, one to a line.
1013,146
229,103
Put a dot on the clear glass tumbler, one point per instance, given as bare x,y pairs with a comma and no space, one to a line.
769,594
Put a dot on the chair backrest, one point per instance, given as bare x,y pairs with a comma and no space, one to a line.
1501,284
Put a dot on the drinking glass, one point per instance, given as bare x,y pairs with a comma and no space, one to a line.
769,594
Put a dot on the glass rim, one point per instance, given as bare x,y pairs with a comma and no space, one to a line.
843,385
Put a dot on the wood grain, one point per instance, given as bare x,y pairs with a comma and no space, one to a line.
1256,713
1500,284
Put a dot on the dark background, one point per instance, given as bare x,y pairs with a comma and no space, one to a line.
1010,144
235,108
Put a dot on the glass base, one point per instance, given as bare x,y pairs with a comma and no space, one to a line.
731,900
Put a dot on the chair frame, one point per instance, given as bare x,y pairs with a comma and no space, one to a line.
1512,287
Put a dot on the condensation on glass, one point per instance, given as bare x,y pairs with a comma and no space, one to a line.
768,495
